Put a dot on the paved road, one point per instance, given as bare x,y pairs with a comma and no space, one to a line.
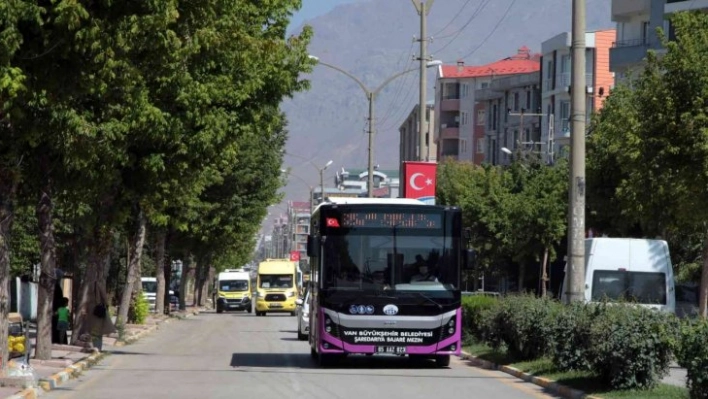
239,355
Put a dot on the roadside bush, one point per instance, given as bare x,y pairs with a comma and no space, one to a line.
631,346
692,354
571,341
473,308
139,309
524,324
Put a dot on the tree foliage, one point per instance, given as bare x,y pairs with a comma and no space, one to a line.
513,213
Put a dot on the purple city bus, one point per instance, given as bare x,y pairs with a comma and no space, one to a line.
386,279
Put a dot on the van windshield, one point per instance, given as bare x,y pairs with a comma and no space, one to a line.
639,287
276,280
150,286
233,285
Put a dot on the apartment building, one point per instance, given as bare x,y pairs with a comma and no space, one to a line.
556,67
299,220
637,21
415,146
512,113
457,132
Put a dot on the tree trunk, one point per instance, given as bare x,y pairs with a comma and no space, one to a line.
160,262
703,302
8,188
99,251
136,252
544,274
522,275
47,279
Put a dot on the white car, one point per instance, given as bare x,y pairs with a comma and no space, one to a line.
303,316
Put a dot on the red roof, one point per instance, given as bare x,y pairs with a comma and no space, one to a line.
522,62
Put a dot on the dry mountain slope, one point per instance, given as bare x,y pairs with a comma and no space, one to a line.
373,40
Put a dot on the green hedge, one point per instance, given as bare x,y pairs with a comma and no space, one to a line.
629,347
473,307
692,354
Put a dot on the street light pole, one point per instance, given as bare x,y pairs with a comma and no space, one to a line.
371,97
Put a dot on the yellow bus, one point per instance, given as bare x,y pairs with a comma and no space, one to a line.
276,287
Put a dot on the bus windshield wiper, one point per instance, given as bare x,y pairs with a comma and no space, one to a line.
427,298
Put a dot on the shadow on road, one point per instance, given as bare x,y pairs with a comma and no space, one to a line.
305,361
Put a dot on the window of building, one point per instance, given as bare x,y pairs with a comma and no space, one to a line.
484,85
565,115
480,145
529,106
481,116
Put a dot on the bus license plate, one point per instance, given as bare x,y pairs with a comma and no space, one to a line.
396,350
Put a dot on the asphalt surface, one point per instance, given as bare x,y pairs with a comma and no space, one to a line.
239,355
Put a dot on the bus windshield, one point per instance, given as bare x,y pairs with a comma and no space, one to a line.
366,262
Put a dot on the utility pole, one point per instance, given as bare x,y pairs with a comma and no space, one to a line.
423,8
576,219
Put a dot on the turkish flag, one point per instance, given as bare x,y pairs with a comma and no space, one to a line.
419,179
294,256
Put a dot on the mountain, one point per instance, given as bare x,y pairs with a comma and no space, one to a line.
314,8
374,40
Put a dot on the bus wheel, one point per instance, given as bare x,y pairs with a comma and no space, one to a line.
249,310
442,361
313,353
293,313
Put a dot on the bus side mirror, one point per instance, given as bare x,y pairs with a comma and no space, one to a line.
313,246
469,259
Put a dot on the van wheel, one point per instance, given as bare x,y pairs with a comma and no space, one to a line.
219,309
293,313
301,336
249,310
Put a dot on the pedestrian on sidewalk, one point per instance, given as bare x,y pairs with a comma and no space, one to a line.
100,322
63,317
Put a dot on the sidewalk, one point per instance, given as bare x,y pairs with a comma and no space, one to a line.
69,361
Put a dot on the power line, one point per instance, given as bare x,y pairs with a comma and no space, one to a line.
457,14
456,34
506,13
399,85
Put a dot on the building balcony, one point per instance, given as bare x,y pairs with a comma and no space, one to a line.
449,131
527,79
450,104
487,94
623,10
673,6
626,53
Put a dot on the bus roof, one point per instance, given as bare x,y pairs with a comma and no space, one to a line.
375,201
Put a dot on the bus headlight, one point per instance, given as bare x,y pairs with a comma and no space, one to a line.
290,294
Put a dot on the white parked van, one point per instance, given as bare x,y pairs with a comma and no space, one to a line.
149,289
628,269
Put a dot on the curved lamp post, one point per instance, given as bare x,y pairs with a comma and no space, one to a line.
371,96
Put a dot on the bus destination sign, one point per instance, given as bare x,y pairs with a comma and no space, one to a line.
373,220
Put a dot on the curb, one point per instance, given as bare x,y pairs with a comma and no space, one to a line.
548,384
